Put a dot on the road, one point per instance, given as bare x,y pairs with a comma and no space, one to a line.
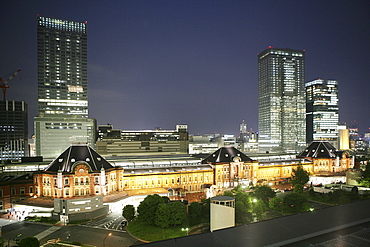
111,221
92,233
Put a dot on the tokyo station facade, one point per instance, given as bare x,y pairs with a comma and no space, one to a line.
80,173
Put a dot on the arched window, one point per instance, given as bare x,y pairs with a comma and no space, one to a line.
76,192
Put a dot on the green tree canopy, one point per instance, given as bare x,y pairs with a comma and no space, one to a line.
162,216
365,178
242,214
276,204
29,242
195,213
206,208
148,208
258,208
243,205
177,212
295,203
299,178
264,193
128,212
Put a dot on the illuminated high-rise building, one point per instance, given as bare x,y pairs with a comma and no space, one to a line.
62,67
322,116
281,100
13,129
62,87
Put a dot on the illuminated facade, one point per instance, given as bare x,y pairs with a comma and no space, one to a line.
114,142
322,111
13,130
62,67
178,180
231,167
281,100
53,135
326,159
79,173
62,86
343,134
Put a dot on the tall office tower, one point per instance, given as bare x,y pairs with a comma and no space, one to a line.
281,100
13,130
322,116
62,67
62,87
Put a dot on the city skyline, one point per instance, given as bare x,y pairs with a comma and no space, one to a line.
161,63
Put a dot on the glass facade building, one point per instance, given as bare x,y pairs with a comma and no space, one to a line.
322,116
54,135
13,130
62,87
281,100
62,67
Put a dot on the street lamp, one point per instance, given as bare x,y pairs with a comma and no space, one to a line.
185,229
110,234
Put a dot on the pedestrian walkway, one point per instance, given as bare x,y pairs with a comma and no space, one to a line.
47,232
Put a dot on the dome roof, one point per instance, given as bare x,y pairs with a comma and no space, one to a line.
319,150
225,155
77,153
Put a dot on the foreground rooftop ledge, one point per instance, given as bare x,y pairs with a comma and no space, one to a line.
280,231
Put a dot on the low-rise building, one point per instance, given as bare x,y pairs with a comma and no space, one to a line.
112,143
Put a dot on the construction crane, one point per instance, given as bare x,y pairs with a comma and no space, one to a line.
3,84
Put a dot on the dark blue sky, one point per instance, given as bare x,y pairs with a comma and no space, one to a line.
160,63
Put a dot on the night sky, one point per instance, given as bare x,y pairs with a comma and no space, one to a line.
161,63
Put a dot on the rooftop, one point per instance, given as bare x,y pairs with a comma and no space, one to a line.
78,153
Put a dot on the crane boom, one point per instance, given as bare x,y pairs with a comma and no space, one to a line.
3,84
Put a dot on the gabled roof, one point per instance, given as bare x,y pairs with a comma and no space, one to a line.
319,150
225,155
78,153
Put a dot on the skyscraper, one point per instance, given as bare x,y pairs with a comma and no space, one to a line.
322,116
62,67
281,100
62,87
13,129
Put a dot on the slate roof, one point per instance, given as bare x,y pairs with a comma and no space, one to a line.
78,153
319,150
225,155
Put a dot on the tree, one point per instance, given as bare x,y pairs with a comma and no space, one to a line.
276,204
264,193
128,212
177,212
206,209
242,215
195,213
299,178
295,203
162,216
29,242
258,208
365,179
148,208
